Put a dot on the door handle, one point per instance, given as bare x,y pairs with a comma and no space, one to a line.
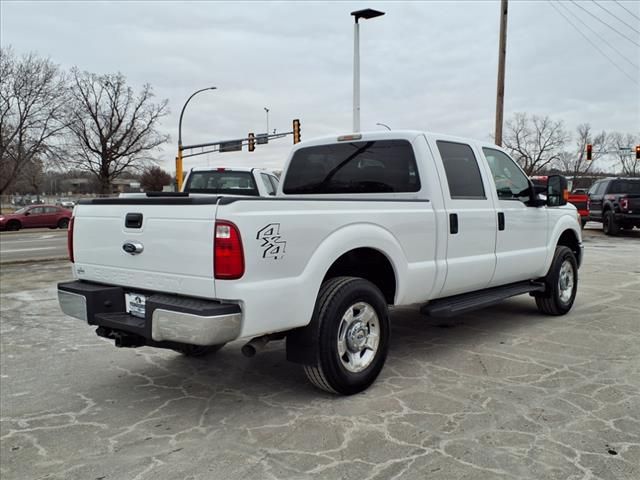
453,223
500,220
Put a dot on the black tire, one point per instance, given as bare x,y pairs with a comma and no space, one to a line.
583,222
63,223
337,298
189,350
13,225
609,224
554,301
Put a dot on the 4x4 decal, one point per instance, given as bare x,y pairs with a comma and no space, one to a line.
273,246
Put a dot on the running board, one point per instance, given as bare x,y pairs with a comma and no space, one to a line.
458,304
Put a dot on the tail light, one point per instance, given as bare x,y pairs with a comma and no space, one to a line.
228,262
624,203
589,204
70,238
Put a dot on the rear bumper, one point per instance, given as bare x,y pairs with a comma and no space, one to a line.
168,320
628,217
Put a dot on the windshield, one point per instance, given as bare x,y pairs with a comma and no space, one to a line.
226,182
21,211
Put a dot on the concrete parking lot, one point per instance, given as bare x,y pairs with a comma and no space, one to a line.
500,393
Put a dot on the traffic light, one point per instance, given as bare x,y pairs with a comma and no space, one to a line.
296,131
252,142
589,151
637,152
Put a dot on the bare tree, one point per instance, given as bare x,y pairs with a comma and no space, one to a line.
112,129
535,142
32,101
154,179
618,144
575,163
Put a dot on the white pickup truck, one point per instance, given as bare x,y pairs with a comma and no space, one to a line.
360,222
255,182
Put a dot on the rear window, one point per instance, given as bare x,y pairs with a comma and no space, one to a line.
625,186
224,182
357,167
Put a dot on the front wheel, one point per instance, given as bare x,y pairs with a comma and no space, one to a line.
353,335
561,283
63,223
13,226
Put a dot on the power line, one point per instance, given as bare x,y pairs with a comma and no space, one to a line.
593,44
606,42
605,23
616,17
630,12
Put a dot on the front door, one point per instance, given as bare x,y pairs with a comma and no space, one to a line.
596,198
471,214
521,243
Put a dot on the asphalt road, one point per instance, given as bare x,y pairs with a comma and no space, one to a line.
502,393
36,244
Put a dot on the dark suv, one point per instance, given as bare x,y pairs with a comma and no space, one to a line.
616,203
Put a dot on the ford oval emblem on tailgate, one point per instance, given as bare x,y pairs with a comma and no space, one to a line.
133,248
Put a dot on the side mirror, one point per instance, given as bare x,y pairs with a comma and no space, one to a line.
27,213
557,191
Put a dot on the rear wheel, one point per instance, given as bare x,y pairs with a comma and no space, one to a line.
63,223
13,225
609,224
353,335
561,283
189,350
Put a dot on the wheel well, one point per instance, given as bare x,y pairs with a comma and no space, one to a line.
369,264
569,239
13,221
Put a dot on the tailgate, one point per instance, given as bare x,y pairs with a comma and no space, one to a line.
176,243
634,203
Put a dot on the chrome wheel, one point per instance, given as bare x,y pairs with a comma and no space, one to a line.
565,281
358,337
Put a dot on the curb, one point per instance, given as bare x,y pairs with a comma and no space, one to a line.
34,260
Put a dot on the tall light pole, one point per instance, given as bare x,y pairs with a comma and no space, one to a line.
179,157
366,14
267,111
502,53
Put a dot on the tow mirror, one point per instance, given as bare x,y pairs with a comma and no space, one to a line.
557,191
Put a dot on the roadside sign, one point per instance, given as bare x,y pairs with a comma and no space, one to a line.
262,138
231,146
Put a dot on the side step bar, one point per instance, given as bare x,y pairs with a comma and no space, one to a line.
466,302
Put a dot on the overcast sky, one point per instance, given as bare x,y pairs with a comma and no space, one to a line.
425,65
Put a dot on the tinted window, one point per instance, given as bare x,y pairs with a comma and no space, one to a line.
357,167
267,184
594,188
463,174
625,186
37,211
222,181
510,182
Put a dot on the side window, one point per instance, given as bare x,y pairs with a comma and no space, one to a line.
50,210
511,182
463,174
267,183
37,211
275,182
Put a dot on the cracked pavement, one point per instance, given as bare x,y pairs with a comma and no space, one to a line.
502,393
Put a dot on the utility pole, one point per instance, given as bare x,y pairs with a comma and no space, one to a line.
502,53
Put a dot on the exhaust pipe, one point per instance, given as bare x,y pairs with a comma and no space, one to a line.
257,344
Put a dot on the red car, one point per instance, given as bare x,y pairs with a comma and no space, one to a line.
36,216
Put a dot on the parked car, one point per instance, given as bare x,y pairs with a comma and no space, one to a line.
578,197
360,222
255,182
65,202
51,216
616,203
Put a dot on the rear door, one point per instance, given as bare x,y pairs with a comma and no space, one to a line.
521,242
471,216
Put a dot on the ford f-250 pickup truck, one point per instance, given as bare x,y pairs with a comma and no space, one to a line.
361,222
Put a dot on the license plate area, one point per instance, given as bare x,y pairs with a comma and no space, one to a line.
135,304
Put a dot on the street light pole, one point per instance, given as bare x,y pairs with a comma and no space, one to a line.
366,14
179,157
267,111
384,125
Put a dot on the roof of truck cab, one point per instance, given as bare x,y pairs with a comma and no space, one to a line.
231,169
